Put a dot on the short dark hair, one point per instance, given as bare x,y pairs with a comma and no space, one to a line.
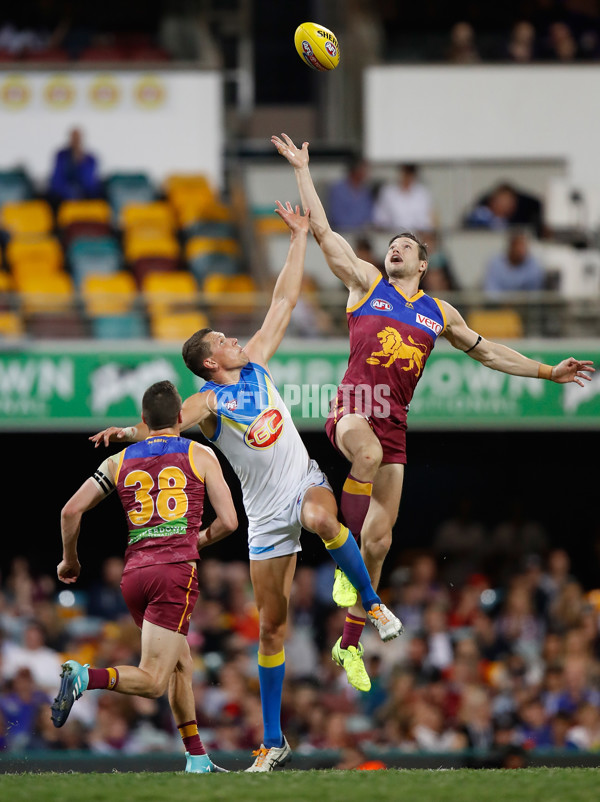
195,350
161,405
423,256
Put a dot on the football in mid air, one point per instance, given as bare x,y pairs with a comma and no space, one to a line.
317,46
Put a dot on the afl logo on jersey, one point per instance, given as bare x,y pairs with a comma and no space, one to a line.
381,306
265,430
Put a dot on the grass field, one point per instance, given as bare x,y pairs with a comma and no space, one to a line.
461,785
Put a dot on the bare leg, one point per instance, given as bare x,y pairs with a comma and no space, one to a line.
181,694
161,650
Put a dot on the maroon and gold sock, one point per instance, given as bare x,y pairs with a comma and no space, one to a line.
191,739
354,503
102,679
353,628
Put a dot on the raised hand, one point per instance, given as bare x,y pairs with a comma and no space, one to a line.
573,370
297,157
111,435
294,219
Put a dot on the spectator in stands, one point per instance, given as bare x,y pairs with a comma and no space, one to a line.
34,654
404,205
20,704
463,46
562,44
440,274
505,206
586,732
75,172
521,45
534,730
351,198
105,597
309,318
363,248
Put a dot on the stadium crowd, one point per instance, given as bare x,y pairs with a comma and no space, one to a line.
496,663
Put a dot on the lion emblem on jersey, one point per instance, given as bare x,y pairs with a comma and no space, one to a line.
393,347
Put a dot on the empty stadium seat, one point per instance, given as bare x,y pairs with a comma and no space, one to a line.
119,327
206,255
95,255
29,217
67,324
140,246
177,326
83,211
44,251
168,291
106,295
51,293
11,325
6,289
501,324
153,217
15,186
152,264
123,188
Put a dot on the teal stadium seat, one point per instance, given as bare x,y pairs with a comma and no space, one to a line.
206,264
14,186
130,326
218,229
93,255
124,188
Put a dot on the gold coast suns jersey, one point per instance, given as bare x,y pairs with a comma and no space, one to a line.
256,434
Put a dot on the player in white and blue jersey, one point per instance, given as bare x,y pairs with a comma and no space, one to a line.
240,410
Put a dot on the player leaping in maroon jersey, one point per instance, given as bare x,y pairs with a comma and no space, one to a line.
393,328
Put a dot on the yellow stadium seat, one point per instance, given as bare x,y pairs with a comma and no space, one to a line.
196,182
230,293
502,324
51,293
83,211
11,326
198,246
268,225
138,247
215,284
108,293
6,290
166,290
6,281
156,216
47,252
177,326
27,217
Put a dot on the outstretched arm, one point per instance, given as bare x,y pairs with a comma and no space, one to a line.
287,288
196,408
219,495
343,262
91,492
501,357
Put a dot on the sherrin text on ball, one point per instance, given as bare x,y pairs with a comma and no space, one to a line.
317,46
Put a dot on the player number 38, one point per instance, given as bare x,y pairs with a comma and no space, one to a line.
171,500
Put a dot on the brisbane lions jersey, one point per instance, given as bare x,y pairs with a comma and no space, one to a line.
162,494
256,434
391,337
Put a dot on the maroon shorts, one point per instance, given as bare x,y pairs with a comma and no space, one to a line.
164,595
390,430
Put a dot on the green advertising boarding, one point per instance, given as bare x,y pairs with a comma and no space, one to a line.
86,387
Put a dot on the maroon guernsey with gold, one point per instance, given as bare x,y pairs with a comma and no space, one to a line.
391,337
162,495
